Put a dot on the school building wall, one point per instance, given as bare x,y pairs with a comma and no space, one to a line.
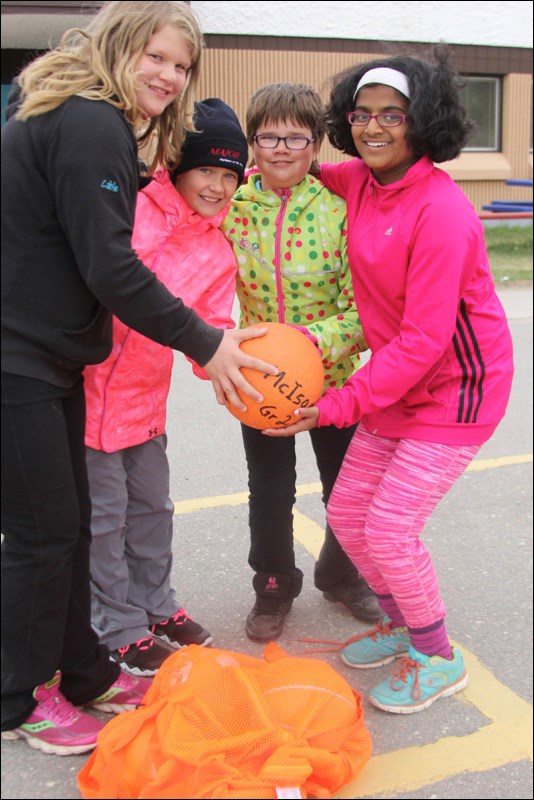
236,64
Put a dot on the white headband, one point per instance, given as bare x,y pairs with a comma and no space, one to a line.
388,77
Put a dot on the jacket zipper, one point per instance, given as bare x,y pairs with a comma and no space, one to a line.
277,262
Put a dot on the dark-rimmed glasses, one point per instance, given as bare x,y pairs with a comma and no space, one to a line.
269,141
386,119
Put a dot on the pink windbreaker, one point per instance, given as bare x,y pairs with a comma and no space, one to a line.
127,393
441,366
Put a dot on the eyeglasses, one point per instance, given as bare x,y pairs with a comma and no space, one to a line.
291,142
386,119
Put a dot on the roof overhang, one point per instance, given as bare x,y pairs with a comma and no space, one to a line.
39,26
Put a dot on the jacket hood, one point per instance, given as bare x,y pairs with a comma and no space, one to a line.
250,191
162,192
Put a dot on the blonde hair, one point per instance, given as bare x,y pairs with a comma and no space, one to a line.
98,63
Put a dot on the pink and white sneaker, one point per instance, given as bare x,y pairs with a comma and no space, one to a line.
125,694
55,725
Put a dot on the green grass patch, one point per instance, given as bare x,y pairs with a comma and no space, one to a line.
510,253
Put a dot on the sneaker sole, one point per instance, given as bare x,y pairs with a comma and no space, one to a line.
137,671
262,639
177,646
460,684
48,747
373,664
113,708
265,637
10,736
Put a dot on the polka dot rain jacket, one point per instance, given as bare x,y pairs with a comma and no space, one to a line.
291,251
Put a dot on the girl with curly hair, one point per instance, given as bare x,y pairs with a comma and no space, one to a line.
439,377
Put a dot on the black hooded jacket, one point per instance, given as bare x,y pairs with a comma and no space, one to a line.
69,188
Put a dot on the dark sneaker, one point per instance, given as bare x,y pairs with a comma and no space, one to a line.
55,725
266,620
125,694
359,598
142,658
180,630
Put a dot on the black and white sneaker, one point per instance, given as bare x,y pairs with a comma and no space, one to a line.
180,630
142,658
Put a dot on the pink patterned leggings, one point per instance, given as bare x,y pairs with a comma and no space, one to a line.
383,496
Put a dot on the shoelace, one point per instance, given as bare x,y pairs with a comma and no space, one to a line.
180,618
380,629
142,644
58,709
401,671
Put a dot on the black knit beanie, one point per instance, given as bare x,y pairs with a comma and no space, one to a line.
220,141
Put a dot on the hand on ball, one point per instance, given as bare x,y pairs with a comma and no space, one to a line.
305,420
224,368
298,383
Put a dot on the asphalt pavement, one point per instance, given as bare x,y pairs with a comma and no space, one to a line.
477,744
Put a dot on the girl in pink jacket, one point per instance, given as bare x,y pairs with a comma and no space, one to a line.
439,378
176,233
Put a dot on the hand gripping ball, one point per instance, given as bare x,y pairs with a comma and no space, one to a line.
299,383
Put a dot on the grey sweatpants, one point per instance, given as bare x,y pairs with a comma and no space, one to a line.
131,551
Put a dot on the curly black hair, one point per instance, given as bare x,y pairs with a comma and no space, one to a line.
437,122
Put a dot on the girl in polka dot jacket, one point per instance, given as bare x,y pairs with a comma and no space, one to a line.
289,236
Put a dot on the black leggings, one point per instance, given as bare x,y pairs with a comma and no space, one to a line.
272,484
46,612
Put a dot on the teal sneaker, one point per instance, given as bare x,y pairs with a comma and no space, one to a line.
418,680
377,646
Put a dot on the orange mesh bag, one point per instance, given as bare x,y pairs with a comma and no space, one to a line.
220,724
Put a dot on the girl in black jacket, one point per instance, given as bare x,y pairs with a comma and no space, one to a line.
69,185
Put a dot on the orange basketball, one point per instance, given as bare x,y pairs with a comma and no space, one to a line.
299,383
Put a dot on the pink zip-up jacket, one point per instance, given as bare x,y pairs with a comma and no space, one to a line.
127,393
442,364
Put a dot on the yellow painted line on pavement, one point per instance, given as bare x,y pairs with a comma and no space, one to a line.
507,737
240,498
504,461
308,533
201,503
311,536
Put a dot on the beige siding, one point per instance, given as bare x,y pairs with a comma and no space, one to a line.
235,74
481,193
517,124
